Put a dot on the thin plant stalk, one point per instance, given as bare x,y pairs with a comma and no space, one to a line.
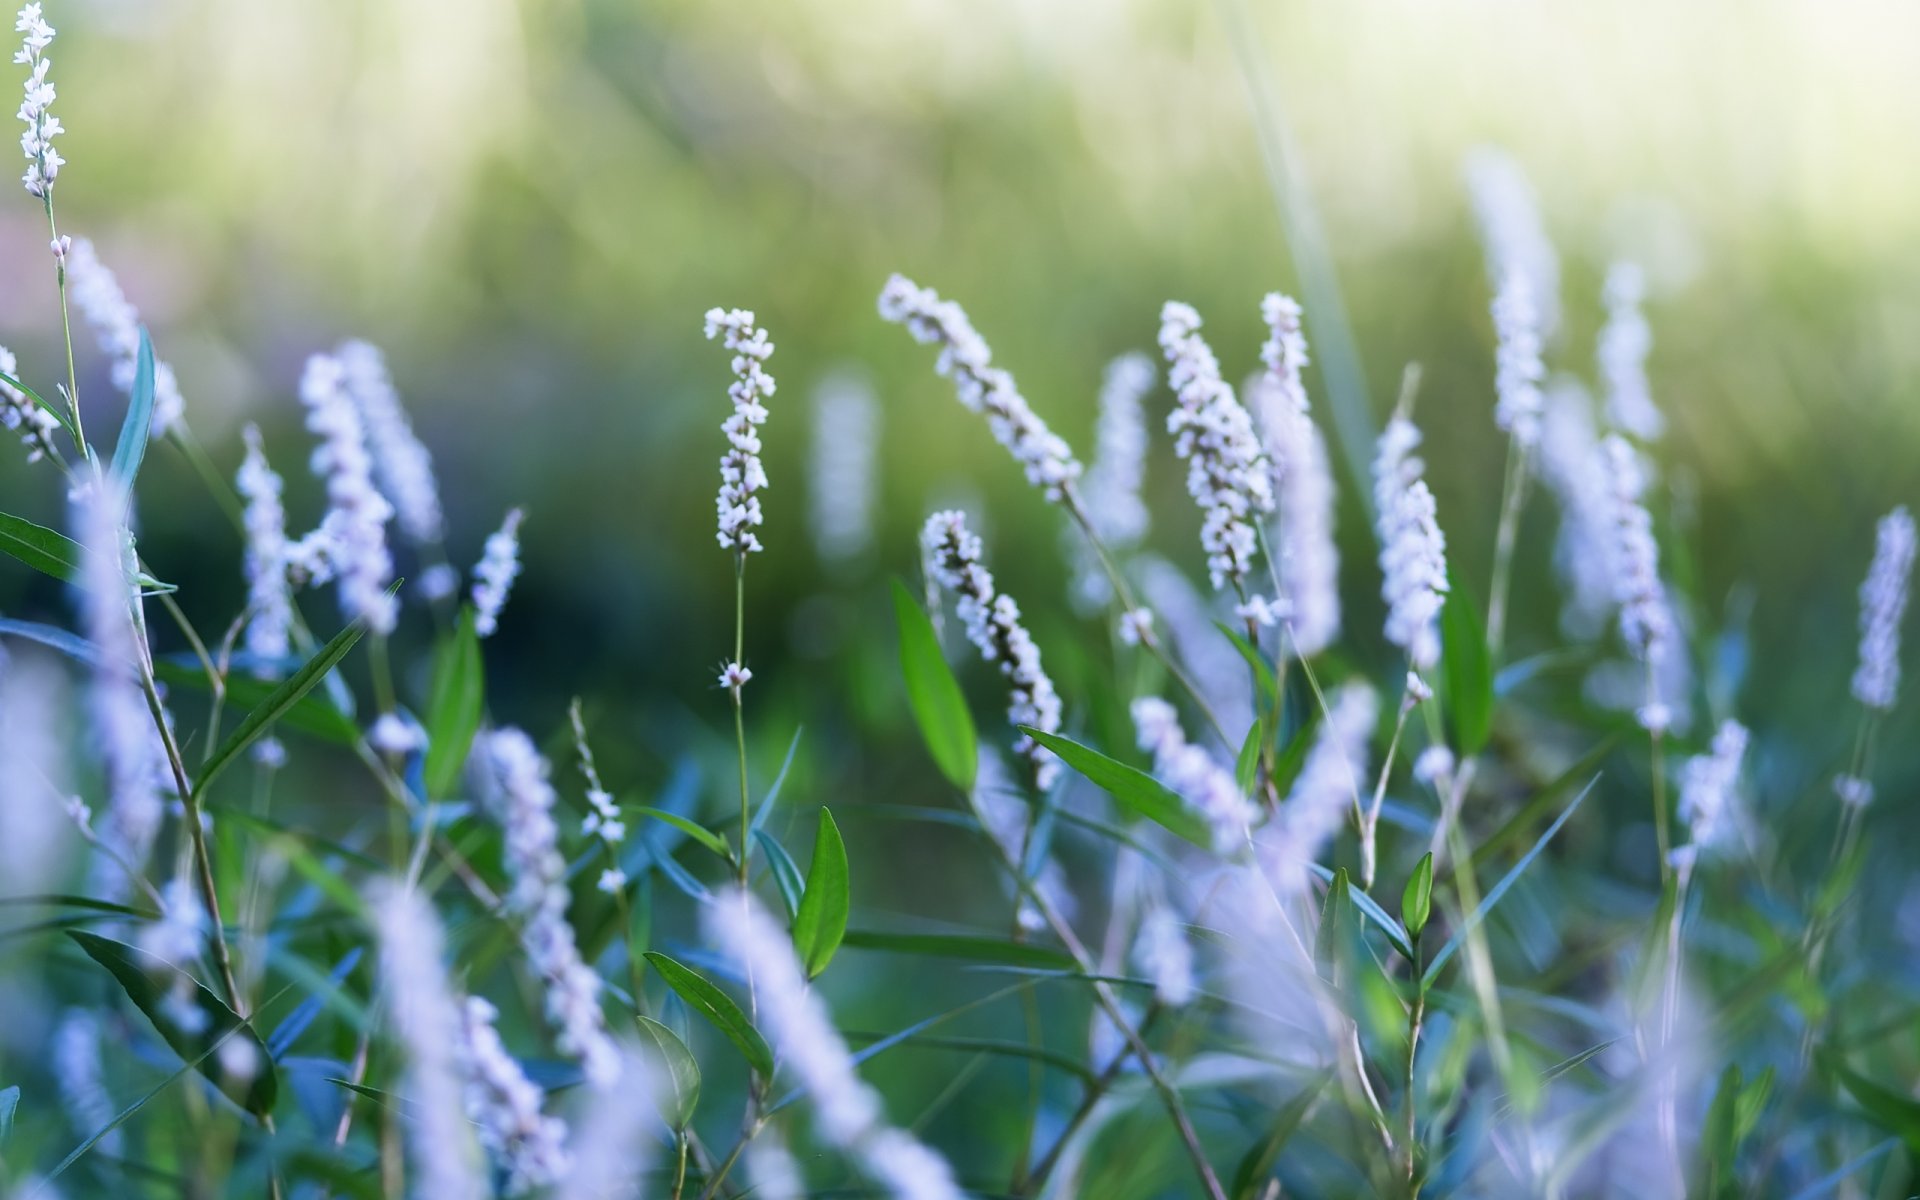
1512,499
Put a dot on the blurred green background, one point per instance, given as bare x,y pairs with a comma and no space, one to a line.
530,203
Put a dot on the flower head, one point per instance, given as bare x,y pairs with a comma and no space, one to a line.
1110,491
1192,773
504,1106
1164,955
1325,790
1883,601
1573,467
493,576
742,477
1511,230
1644,622
400,461
352,539
269,597
1308,558
1518,370
43,161
1709,802
1624,342
96,292
1227,473
20,414
1413,550
981,386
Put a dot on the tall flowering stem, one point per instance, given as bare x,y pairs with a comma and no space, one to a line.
1644,624
1518,373
43,165
742,478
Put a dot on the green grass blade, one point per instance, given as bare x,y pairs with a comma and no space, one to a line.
717,1007
938,706
276,705
455,701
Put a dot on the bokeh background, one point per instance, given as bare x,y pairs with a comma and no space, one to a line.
530,203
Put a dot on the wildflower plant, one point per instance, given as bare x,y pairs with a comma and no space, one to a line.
1279,893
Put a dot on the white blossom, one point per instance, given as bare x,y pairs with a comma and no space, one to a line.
494,574
1624,343
1227,472
981,387
1326,789
1308,558
269,597
1853,791
772,1170
1163,954
742,476
1575,470
1644,622
847,1110
1110,492
522,800
734,676
1709,800
396,735
992,621
116,327
1136,626
1883,602
614,1138
43,161
603,820
504,1106
351,544
1511,230
1434,767
428,1027
401,463
1518,371
20,414
1413,550
846,444
438,582
1191,773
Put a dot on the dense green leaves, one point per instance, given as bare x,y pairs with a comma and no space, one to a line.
1135,790
43,549
938,706
682,1093
821,920
456,699
152,983
278,703
717,1007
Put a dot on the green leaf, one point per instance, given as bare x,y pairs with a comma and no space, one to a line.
717,1007
1371,910
455,700
821,920
9,1104
131,450
698,832
683,1072
934,695
1416,901
150,982
1247,767
1135,790
1499,890
1263,677
1333,917
1467,668
278,703
977,948
313,715
1896,1113
41,548
1257,1164
786,874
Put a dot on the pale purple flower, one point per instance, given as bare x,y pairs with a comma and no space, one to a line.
1163,954
1644,621
772,1170
493,576
504,1106
1110,491
846,443
1325,791
21,415
981,387
1883,602
847,1111
429,1030
116,327
614,1137
734,676
1192,774
992,621
1512,232
438,582
1518,371
1308,559
1573,467
396,735
43,161
1709,799
1211,660
522,800
401,462
1853,791
742,475
1434,767
1625,341
269,597
352,539
1413,550
1227,472
1136,627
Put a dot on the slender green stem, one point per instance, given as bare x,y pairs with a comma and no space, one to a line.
1512,498
1416,1019
739,716
66,330
1370,820
1102,1083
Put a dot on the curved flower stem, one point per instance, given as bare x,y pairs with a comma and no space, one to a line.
739,717
66,330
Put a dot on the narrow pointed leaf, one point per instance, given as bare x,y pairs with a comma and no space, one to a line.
938,706
717,1007
455,700
131,450
786,873
1247,766
683,1072
821,920
699,833
1468,669
1416,901
312,714
1135,790
278,703
43,549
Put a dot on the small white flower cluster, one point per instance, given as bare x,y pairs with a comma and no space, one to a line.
1853,791
351,543
494,574
523,802
1227,473
1213,664
504,1106
428,1027
43,161
772,1170
604,822
1192,773
1326,789
396,735
1309,558
269,596
1110,492
734,676
400,460
1638,591
1163,954
1571,465
742,476
847,1110
1622,354
1434,767
1511,230
1709,800
846,444
96,292
981,387
1413,550
613,1145
19,413
1883,601
992,619
1518,371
